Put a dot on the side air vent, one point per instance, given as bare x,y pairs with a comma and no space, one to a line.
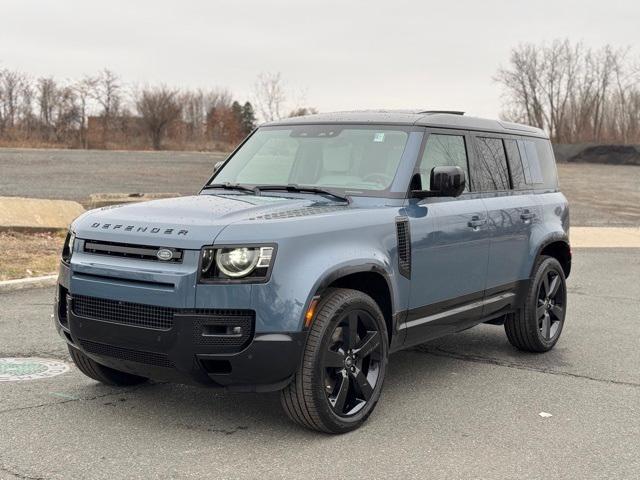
404,246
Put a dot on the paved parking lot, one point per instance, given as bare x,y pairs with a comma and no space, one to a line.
466,406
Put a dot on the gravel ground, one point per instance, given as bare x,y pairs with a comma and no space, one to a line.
600,195
465,406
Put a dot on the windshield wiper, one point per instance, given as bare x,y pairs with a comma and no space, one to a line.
296,188
232,186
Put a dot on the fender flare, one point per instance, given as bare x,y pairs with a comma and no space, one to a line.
548,240
339,271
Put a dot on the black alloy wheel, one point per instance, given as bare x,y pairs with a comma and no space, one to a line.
551,305
352,363
341,373
537,325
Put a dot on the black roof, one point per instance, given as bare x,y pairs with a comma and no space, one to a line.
426,118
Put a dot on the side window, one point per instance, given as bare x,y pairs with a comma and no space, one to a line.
443,151
515,164
489,171
529,154
547,163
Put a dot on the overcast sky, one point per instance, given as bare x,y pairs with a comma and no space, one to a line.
334,55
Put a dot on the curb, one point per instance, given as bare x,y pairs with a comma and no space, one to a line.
22,283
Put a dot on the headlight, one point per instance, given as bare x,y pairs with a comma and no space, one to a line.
67,249
240,263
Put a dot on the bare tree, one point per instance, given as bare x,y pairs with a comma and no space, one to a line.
11,85
83,90
575,93
158,107
269,96
107,91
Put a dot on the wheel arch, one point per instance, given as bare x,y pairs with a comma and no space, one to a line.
371,279
556,246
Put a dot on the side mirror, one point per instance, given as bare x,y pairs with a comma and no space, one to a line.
444,182
217,166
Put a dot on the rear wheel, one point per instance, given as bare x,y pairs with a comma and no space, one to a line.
340,378
103,374
536,327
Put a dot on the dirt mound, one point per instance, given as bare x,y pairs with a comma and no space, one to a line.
609,154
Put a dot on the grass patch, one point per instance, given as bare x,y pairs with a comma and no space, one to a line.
29,254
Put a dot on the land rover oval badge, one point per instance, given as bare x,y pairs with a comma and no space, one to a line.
164,254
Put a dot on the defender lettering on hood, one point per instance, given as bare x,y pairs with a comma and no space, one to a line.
137,228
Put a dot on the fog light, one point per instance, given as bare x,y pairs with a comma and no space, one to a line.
236,331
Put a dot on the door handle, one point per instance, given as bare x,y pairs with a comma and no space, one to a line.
476,222
527,215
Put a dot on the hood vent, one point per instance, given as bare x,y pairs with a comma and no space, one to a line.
298,212
404,246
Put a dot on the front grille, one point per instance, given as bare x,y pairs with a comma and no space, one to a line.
126,313
138,252
218,328
149,358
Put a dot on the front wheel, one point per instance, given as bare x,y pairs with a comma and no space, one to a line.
536,327
340,378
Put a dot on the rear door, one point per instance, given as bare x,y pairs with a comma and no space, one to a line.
512,211
450,247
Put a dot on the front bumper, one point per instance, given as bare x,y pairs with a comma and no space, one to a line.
266,362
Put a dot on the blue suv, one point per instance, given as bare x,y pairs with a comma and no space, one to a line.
320,246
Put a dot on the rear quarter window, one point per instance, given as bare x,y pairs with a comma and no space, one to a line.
538,163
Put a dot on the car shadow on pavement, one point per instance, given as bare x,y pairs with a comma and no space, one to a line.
210,413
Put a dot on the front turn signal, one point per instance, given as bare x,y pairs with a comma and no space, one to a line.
311,311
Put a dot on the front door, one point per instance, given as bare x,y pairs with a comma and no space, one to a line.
450,248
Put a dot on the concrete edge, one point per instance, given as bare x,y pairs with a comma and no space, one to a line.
23,283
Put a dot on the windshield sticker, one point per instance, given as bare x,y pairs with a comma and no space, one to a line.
378,137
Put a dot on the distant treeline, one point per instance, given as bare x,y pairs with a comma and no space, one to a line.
99,111
577,94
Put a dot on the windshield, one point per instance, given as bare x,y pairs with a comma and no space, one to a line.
345,157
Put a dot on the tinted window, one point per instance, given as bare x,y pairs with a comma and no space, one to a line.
442,151
547,163
529,154
490,170
515,164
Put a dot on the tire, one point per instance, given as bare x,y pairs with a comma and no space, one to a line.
325,394
102,374
537,325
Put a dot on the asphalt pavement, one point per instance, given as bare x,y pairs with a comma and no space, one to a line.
76,174
465,406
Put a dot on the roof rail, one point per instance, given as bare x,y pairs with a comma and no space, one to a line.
452,112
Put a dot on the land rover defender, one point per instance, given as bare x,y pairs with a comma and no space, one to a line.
320,246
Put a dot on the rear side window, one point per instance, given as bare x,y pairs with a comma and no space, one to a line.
443,151
515,165
538,163
489,171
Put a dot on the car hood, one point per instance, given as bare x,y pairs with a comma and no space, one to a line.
184,222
